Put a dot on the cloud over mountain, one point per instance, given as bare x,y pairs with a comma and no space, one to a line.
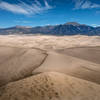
85,4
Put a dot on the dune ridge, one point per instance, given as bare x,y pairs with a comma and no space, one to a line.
17,63
51,86
49,67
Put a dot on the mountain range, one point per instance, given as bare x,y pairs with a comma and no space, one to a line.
70,28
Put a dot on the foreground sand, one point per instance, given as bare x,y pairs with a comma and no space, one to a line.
51,86
49,67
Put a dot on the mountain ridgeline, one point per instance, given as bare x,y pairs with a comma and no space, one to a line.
71,28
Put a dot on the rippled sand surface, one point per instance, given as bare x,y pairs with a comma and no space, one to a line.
49,67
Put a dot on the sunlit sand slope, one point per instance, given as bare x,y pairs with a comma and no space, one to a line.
73,66
50,86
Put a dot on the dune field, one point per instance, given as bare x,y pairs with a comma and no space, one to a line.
41,67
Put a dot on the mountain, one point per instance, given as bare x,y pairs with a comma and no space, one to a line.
72,23
70,28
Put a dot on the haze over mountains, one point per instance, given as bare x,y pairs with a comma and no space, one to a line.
70,28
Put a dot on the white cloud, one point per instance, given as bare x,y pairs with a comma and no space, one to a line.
95,25
47,5
24,8
85,4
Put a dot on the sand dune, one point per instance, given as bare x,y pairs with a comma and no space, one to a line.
17,63
49,42
87,53
72,66
51,86
49,67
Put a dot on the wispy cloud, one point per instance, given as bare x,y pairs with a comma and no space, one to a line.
24,8
85,4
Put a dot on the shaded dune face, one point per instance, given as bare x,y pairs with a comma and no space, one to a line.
89,71
17,63
86,53
50,86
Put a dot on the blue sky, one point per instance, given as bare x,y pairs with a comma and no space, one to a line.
48,12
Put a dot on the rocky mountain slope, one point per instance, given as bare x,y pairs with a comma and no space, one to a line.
71,28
